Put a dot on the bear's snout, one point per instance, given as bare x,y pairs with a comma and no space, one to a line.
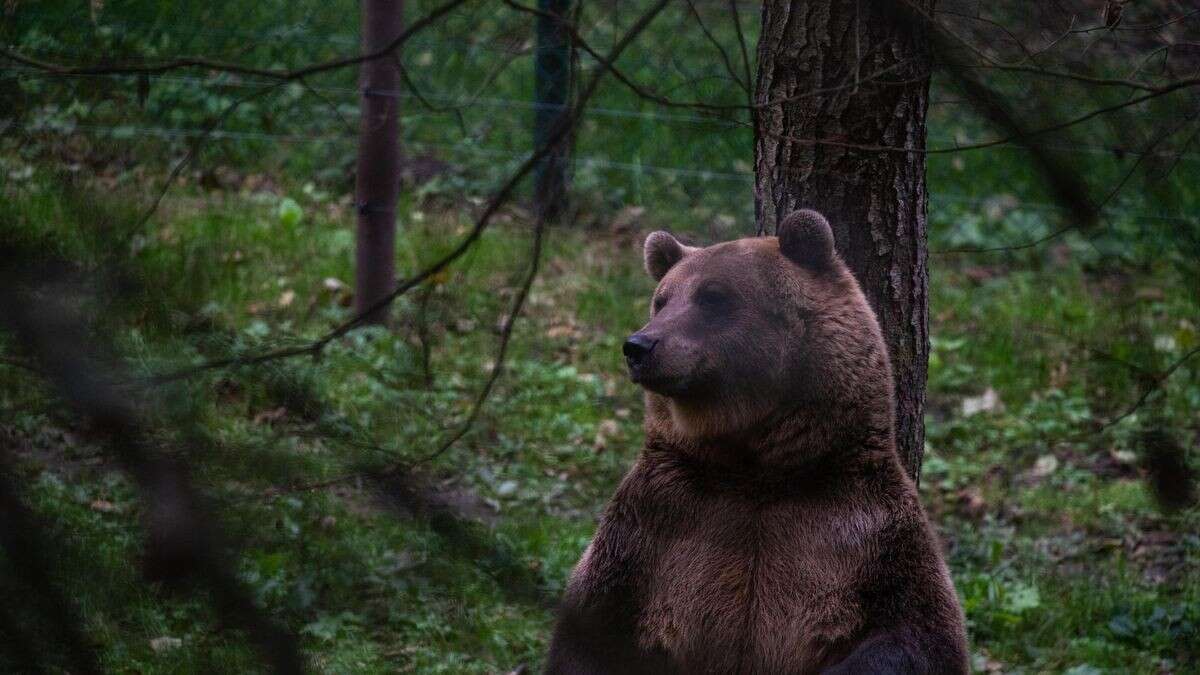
637,350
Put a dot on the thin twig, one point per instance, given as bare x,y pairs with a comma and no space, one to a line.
701,106
203,63
745,85
567,122
1156,383
1141,156
194,151
23,365
316,347
501,351
741,36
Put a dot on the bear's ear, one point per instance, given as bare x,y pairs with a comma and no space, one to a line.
806,239
662,251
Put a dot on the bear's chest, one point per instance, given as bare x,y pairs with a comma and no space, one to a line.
760,593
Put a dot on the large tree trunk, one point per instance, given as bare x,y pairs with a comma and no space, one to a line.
856,73
378,171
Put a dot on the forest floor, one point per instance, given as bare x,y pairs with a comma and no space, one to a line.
1062,558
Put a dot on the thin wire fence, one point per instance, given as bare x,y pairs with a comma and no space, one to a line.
499,139
743,178
452,101
500,125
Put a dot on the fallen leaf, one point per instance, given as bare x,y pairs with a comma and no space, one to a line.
1125,457
972,502
627,217
608,428
980,274
561,330
165,643
998,206
723,222
1060,376
1044,466
104,506
988,401
1165,343
270,416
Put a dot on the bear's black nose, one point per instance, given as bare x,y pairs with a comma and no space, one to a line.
636,349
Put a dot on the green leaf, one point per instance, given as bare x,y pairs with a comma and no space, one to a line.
1022,598
290,212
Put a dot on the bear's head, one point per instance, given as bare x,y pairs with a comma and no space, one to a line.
755,332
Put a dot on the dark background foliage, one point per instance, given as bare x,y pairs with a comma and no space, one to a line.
1061,416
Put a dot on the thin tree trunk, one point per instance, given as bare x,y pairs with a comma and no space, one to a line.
856,73
378,171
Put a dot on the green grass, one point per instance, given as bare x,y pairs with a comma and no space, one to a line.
1057,569
1062,557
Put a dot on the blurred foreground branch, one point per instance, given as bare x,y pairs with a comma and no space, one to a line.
182,544
29,553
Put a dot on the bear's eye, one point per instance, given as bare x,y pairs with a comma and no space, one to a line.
713,297
660,302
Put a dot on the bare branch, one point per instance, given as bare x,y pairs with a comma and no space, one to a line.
203,63
501,351
741,36
1140,28
744,84
329,103
566,125
1141,156
1014,247
1156,383
195,147
23,365
701,106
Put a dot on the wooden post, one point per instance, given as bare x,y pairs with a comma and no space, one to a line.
378,170
552,84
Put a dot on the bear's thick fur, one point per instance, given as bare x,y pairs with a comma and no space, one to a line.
768,526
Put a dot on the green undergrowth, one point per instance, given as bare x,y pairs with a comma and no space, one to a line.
1045,382
1063,558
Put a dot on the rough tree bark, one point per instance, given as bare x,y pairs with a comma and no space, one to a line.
854,72
378,170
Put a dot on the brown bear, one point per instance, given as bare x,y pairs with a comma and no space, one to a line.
767,526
